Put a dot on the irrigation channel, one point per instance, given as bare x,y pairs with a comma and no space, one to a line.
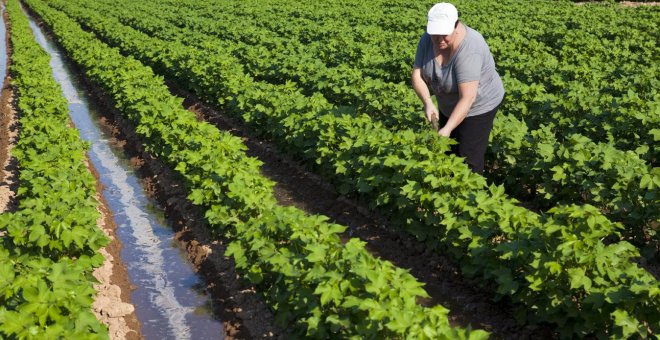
170,299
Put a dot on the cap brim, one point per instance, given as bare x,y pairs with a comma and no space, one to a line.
440,28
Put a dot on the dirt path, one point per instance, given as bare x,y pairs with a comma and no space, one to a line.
637,3
8,137
624,3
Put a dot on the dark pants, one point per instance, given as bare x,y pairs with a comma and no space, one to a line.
472,137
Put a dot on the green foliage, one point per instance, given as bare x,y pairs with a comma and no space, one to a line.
544,263
323,287
302,279
41,298
349,68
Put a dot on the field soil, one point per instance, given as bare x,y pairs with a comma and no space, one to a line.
637,3
8,136
625,3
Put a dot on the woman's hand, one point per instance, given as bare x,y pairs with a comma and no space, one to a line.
422,92
431,111
445,132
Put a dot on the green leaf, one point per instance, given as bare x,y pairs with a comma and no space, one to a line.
628,324
317,252
579,279
236,250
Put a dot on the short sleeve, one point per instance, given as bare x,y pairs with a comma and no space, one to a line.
468,68
422,47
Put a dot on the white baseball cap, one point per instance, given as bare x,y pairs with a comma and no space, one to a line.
442,19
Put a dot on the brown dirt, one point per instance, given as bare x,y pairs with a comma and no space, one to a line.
637,4
112,305
625,3
8,137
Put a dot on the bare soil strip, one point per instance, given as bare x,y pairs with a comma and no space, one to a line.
622,3
8,137
304,190
638,3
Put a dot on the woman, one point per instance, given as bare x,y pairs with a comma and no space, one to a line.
455,62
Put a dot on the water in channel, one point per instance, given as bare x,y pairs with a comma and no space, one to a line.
169,300
3,47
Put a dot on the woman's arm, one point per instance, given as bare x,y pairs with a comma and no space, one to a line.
467,94
423,93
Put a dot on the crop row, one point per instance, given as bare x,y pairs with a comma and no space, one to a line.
318,285
50,249
355,34
556,265
533,165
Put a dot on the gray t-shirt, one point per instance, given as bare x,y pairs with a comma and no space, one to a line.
472,61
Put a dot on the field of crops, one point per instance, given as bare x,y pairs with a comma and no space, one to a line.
563,229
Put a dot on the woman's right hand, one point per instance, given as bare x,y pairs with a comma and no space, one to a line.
422,92
431,111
